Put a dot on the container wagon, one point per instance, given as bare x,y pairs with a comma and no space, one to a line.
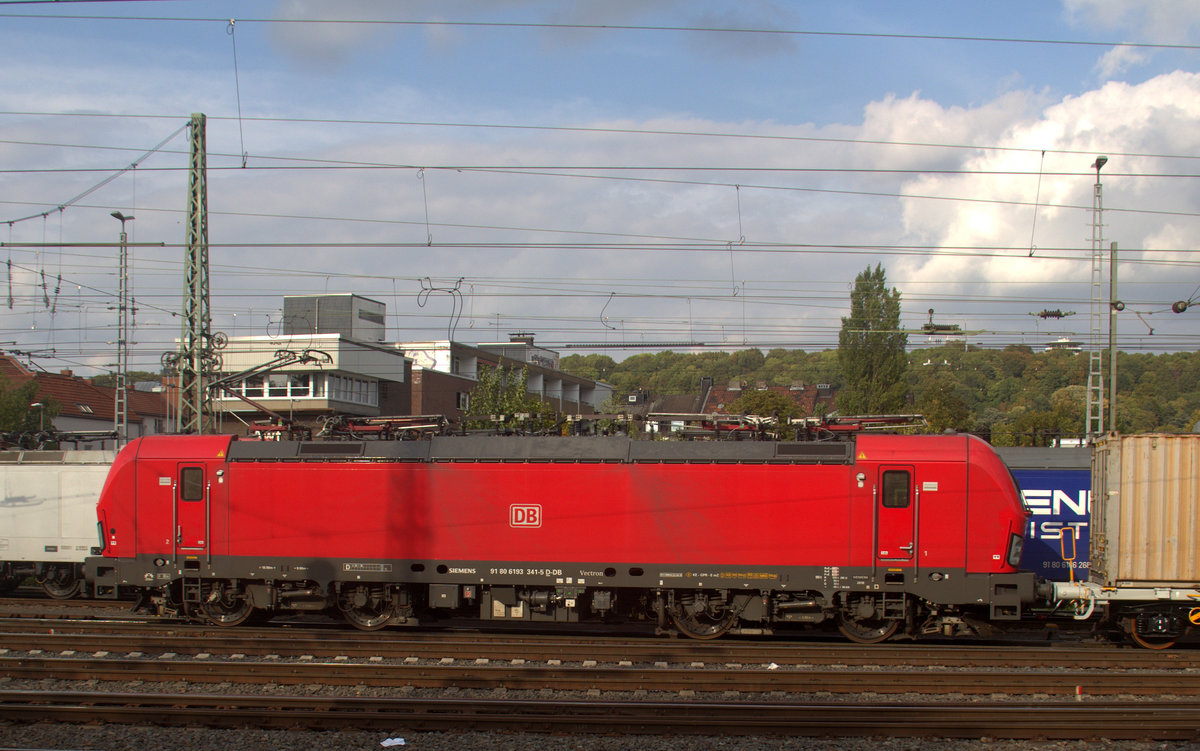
48,516
1144,576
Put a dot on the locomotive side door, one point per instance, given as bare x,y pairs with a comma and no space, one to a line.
191,509
895,515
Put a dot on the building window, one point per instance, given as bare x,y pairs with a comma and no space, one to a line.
462,400
299,385
354,390
252,386
279,386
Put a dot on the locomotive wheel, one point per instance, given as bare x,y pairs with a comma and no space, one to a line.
867,630
222,605
705,624
61,583
367,608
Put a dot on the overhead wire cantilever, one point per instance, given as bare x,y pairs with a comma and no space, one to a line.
456,306
237,86
604,318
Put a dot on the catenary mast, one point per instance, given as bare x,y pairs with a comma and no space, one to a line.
195,353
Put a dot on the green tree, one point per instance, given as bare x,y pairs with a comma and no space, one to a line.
996,388
17,415
503,392
765,404
871,349
943,405
109,380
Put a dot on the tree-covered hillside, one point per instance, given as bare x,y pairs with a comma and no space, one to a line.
1010,394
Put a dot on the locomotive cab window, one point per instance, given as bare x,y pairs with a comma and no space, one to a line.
895,488
191,484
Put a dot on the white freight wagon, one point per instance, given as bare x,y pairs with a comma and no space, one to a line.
48,516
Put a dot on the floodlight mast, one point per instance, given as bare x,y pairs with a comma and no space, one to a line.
121,413
1094,418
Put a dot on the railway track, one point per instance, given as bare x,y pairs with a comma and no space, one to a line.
520,675
304,676
996,720
290,642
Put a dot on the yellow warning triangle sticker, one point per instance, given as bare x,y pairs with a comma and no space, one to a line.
221,454
861,455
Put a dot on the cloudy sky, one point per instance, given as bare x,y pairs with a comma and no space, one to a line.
621,173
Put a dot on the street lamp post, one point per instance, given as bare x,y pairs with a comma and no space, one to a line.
121,417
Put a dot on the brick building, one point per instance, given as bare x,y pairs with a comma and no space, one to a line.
87,412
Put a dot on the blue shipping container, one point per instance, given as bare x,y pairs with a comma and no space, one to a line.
1056,484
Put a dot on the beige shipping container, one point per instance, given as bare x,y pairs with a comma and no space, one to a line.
1146,510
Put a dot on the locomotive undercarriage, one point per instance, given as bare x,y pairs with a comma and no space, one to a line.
862,617
872,611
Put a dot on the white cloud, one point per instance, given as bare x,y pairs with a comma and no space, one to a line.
332,44
1160,116
1118,60
1161,21
1165,22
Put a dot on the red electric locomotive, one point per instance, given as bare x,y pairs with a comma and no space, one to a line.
879,534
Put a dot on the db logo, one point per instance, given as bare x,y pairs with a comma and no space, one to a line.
529,515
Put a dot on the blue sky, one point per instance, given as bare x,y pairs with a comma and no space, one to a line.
602,172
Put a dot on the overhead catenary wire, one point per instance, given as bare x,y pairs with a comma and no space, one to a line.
507,25
645,180
115,174
315,165
967,251
609,130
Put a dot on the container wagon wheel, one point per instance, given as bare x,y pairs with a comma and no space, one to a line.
367,608
61,582
698,616
223,605
1144,640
